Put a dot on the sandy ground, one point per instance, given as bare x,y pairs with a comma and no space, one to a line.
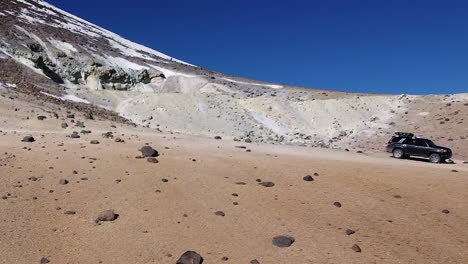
394,206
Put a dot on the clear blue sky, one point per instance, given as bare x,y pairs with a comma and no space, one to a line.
391,46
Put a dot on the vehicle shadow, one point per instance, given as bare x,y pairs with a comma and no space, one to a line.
423,160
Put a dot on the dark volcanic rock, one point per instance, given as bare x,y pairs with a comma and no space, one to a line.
64,125
220,213
254,261
283,241
356,248
44,261
88,116
28,139
63,181
148,151
190,257
152,160
267,184
75,135
218,137
108,215
41,117
349,232
94,142
337,204
445,211
308,178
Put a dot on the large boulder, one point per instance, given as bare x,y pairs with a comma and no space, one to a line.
190,257
147,75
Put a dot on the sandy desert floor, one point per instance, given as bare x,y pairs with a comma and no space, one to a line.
393,206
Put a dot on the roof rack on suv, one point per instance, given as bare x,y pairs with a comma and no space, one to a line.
404,134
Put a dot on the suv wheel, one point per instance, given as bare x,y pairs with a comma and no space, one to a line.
398,153
435,158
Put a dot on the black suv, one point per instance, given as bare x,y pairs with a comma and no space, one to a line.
402,145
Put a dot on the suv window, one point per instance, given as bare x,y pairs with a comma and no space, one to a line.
406,141
420,142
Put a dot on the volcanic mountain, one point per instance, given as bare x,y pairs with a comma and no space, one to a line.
52,55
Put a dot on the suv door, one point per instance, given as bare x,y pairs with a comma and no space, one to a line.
421,147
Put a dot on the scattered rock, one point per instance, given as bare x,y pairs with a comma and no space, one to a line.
445,211
337,204
356,248
63,181
28,139
254,261
218,137
94,142
64,125
152,160
75,135
190,257
283,241
44,261
106,216
80,124
41,117
148,151
308,178
108,135
69,212
267,184
89,116
349,232
220,213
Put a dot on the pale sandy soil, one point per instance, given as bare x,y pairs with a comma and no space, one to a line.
158,226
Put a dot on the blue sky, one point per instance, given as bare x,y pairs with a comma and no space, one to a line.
410,46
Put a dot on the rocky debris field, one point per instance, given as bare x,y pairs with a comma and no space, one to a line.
206,200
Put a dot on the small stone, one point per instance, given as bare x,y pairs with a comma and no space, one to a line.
63,181
164,180
349,232
220,213
44,261
41,117
445,211
283,241
108,215
94,142
356,248
218,137
28,139
267,184
308,178
254,261
64,125
70,212
75,135
148,151
337,204
152,160
190,257
224,258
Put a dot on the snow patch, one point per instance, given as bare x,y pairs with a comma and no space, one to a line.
63,46
270,123
7,85
168,73
273,86
423,114
67,97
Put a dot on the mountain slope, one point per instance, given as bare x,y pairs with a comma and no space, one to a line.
58,55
